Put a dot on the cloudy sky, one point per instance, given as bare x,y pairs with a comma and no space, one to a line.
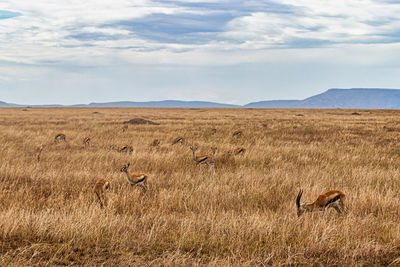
74,51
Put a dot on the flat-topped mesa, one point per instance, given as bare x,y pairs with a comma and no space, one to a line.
331,199
135,179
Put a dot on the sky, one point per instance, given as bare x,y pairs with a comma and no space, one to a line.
70,51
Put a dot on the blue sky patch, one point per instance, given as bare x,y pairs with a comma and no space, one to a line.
5,14
180,28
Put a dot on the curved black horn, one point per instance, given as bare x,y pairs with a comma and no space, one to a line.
298,198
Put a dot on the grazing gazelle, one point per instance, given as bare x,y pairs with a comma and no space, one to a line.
237,134
86,141
100,188
179,140
156,143
204,159
138,179
126,148
60,137
331,199
237,151
40,150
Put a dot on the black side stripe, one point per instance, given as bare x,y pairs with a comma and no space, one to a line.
332,200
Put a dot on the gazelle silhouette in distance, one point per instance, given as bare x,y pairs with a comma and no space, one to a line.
155,143
237,134
204,159
126,148
180,140
100,189
135,179
60,138
86,141
331,199
237,151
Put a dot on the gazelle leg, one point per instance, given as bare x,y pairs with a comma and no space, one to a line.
344,208
337,209
325,209
143,187
100,200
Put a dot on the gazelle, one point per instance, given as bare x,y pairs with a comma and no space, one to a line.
237,134
100,189
237,151
156,143
179,140
331,199
40,150
138,179
204,159
126,148
60,137
86,141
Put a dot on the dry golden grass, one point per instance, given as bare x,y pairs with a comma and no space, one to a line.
241,212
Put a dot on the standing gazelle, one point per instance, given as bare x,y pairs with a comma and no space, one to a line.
100,188
138,179
60,137
204,159
331,199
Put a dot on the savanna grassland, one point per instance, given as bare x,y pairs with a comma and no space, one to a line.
240,212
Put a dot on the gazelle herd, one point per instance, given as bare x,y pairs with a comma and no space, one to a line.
330,199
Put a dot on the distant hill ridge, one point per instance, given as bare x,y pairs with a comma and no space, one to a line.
355,98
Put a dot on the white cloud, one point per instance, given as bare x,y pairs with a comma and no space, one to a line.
61,38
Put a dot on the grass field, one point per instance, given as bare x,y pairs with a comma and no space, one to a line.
240,212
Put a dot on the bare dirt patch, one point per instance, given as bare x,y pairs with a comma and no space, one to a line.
137,121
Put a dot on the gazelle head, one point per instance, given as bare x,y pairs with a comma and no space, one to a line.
301,208
125,167
213,149
193,148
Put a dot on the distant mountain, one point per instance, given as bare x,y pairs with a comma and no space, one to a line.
4,104
355,98
164,104
274,104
